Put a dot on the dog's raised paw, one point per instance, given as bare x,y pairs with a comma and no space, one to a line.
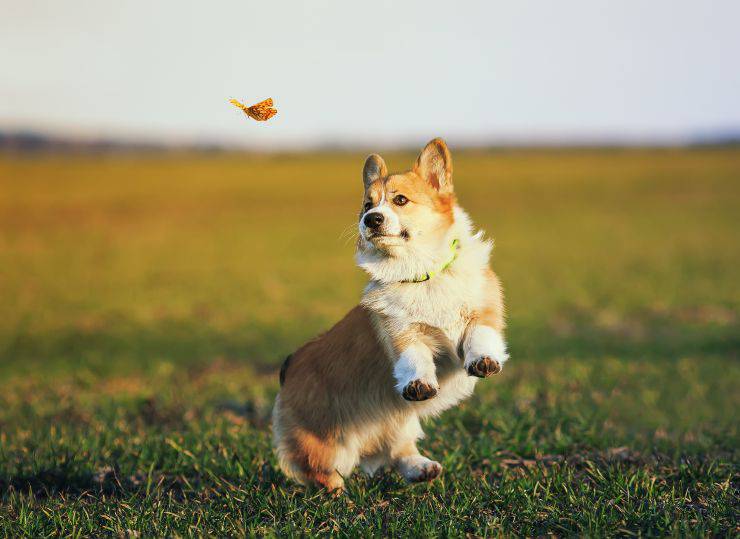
484,367
417,390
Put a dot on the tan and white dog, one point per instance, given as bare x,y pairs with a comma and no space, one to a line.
429,325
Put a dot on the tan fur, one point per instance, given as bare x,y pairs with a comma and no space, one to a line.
492,313
341,403
338,382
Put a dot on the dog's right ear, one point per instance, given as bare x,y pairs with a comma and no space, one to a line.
374,169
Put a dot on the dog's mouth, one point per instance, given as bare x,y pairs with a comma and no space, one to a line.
381,237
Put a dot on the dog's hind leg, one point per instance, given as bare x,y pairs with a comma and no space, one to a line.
314,459
331,481
407,460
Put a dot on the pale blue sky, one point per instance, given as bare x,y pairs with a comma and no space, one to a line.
375,73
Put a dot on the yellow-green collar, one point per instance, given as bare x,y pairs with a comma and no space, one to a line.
453,247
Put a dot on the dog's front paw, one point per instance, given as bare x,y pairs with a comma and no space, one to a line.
484,367
485,352
418,390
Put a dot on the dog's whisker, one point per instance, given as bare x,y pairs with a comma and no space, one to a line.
347,229
350,232
354,237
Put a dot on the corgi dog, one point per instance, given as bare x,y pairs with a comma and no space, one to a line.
429,325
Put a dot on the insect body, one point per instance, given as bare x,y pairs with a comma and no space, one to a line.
261,112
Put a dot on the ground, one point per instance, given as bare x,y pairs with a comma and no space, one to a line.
148,301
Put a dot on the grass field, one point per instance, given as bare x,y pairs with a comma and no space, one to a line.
146,303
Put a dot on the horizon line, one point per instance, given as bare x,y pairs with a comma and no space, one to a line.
70,138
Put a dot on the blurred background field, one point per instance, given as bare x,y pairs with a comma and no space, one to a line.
148,300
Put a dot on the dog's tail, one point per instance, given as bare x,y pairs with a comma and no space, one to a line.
284,369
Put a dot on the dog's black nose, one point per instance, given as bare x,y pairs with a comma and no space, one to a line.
374,219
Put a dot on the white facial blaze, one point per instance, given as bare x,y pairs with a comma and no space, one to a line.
391,225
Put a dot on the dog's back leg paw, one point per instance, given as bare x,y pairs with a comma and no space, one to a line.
416,468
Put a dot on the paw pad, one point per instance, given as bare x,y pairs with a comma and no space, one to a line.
418,391
484,367
428,472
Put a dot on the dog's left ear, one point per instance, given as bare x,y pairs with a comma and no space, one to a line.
434,165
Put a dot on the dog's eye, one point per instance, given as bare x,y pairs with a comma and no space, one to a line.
400,200
368,205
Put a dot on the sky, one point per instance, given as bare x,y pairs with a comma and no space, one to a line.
372,73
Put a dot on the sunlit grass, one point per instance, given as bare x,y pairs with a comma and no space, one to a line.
146,302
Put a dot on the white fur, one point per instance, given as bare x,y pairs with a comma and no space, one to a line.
452,390
442,302
391,224
400,451
485,341
407,432
415,363
415,466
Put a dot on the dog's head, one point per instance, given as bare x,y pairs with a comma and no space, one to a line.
409,213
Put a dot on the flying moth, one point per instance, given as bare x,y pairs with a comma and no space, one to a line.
261,112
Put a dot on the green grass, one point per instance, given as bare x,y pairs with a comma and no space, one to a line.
146,303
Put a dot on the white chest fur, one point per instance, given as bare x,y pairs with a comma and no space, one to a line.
446,300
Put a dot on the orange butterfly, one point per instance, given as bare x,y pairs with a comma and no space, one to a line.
261,112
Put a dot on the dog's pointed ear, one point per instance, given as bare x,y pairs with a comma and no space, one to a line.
434,165
374,169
